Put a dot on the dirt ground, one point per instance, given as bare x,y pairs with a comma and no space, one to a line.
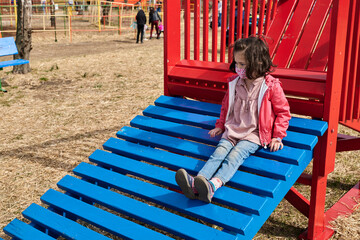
80,94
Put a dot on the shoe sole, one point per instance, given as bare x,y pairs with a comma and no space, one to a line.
182,181
202,186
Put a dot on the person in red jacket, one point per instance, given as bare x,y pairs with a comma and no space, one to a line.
254,113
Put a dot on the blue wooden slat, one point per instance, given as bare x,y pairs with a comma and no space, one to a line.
300,140
21,230
174,129
237,199
211,213
163,158
173,144
201,151
266,167
148,214
189,105
167,159
100,218
60,225
309,126
287,154
194,119
13,62
137,168
7,46
259,185
293,139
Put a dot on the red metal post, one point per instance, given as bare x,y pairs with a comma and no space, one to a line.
214,30
254,17
223,30
261,17
171,38
205,30
231,29
324,157
268,16
196,29
318,195
348,90
273,12
353,90
239,19
347,72
333,84
246,19
187,28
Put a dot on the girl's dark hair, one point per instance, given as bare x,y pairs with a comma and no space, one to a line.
257,57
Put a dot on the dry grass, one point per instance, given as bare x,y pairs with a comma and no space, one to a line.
80,94
348,227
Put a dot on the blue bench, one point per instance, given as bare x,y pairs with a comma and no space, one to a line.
129,190
7,48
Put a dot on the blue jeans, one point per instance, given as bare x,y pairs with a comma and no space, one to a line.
226,159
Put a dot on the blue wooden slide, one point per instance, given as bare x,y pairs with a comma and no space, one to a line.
129,190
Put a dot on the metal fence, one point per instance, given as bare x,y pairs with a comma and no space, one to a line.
84,16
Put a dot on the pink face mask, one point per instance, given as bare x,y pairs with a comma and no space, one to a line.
241,72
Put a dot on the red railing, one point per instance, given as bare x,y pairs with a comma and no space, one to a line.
245,9
350,96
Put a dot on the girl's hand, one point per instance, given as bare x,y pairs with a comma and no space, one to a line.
214,132
275,145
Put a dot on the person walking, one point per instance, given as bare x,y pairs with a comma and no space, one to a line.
154,19
141,21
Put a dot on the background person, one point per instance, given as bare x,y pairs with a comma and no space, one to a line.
140,21
154,19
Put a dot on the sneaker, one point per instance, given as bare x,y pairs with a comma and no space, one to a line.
205,189
186,183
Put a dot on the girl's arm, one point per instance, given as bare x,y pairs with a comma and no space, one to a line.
220,123
281,109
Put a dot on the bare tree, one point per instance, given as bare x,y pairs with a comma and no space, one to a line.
23,34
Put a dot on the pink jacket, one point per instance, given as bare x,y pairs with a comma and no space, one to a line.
273,109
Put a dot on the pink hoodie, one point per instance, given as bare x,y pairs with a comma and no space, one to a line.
273,109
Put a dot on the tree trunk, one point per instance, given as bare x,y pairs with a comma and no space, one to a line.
23,34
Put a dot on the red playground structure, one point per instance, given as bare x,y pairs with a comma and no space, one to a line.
316,46
128,188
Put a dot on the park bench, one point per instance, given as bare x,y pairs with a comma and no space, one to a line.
7,48
129,189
